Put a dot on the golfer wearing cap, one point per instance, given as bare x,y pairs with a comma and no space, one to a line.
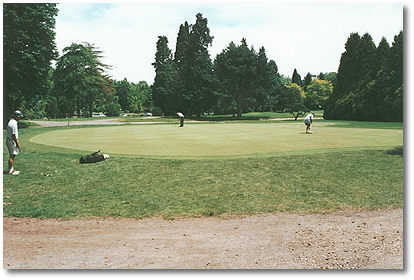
308,122
181,116
12,140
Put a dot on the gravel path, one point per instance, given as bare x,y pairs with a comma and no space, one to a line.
364,240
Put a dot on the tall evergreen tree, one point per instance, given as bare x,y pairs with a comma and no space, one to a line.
181,64
264,81
164,94
369,81
236,69
28,49
296,78
321,76
395,62
276,87
307,81
181,48
200,80
348,77
364,100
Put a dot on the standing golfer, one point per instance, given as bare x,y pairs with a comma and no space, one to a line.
13,141
308,122
181,116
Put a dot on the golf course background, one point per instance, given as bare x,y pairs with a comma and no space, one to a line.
206,169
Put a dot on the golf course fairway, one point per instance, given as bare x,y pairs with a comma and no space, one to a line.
219,139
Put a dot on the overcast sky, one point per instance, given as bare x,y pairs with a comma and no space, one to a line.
307,35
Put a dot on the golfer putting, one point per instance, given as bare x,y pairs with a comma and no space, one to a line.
308,122
12,141
181,116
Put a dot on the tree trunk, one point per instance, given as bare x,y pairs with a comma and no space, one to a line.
78,107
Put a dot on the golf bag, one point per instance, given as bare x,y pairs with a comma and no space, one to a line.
94,157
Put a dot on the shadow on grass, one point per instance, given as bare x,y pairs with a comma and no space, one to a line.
366,124
396,151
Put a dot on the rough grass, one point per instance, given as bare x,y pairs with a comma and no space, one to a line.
54,184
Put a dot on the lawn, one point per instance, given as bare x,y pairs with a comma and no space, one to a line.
358,174
198,141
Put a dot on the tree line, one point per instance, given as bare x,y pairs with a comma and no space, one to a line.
367,86
239,79
369,82
75,85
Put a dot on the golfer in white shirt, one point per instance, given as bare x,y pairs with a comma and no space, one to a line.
181,116
12,141
308,122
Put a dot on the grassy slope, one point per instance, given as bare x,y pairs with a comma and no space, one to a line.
53,184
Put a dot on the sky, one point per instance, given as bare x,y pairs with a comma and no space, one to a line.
307,35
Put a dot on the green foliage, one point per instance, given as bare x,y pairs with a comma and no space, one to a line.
292,99
112,109
186,82
317,94
199,79
79,79
307,81
369,81
28,48
296,78
133,98
122,89
164,94
247,79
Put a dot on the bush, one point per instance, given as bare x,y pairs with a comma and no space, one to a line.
156,111
113,109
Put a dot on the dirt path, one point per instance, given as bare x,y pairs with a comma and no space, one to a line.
365,240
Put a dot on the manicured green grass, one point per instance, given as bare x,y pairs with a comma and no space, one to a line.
220,139
54,184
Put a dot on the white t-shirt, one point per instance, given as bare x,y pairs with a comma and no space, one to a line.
309,117
12,129
180,115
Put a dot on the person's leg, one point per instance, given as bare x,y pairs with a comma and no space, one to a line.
11,163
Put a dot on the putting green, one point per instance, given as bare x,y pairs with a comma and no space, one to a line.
218,139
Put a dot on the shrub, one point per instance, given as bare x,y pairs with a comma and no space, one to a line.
112,109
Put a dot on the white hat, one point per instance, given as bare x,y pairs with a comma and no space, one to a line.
18,113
